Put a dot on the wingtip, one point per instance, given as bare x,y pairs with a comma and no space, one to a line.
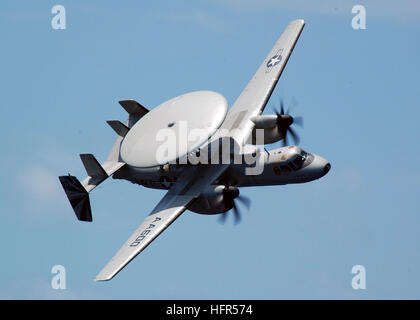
300,21
98,278
104,276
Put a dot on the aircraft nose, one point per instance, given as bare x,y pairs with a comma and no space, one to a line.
327,168
320,167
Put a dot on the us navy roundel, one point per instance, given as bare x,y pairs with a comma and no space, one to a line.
273,61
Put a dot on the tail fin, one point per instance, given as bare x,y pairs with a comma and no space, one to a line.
120,128
78,197
93,169
78,192
134,109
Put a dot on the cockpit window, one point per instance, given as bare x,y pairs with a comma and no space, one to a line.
298,161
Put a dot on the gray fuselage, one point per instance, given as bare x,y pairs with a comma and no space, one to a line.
282,166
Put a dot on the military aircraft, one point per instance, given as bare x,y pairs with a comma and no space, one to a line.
211,184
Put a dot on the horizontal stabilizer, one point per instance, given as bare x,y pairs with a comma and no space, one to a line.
78,197
93,168
133,107
120,128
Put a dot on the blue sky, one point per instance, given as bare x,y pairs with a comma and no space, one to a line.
358,93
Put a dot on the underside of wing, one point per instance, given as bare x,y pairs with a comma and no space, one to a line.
253,99
170,208
188,187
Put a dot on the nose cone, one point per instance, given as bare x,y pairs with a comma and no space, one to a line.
327,168
323,166
318,168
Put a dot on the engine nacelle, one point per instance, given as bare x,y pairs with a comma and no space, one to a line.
268,123
210,202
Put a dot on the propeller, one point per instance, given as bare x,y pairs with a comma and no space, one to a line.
284,122
230,194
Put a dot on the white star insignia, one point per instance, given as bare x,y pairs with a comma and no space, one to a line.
273,61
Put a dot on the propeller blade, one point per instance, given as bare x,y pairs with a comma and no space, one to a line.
298,121
245,201
294,135
281,107
230,194
236,213
285,120
223,217
285,139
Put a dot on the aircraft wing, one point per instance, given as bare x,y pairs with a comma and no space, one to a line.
253,99
188,186
168,209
